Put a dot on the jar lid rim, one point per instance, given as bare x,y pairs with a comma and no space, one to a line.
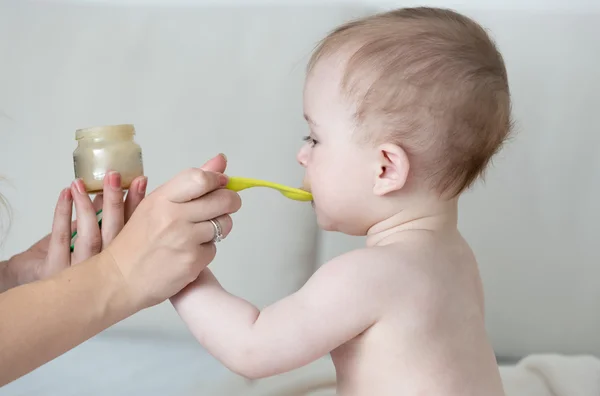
99,130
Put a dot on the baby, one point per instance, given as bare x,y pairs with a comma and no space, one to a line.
405,110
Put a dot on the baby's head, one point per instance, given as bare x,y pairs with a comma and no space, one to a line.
405,106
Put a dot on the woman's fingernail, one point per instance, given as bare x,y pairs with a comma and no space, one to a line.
65,195
224,156
79,186
143,185
114,180
223,180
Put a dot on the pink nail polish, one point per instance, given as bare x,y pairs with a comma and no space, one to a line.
63,194
66,195
143,185
114,180
79,186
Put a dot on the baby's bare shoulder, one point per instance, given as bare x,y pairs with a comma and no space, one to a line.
373,261
417,261
400,258
376,270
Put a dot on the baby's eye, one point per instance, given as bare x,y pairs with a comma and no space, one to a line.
312,142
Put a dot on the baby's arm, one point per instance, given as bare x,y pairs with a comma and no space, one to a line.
338,302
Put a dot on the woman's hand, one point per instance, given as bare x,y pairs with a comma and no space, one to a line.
162,248
169,239
53,252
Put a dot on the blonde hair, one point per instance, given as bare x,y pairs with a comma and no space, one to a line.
430,80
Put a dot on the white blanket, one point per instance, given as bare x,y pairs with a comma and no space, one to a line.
534,375
553,375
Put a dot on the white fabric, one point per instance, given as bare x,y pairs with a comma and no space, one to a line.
553,375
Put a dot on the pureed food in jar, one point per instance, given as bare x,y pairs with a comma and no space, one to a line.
104,149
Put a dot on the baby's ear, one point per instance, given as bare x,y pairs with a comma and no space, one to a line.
392,169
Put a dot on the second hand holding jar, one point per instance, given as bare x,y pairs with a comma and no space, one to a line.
104,149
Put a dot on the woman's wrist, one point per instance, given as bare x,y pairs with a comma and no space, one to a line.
111,298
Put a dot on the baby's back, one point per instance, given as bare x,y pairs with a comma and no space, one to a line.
430,338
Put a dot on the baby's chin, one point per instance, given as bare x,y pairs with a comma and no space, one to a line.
326,225
329,223
325,222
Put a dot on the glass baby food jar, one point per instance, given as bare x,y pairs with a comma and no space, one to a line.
104,149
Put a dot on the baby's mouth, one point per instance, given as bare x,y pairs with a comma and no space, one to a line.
306,186
312,202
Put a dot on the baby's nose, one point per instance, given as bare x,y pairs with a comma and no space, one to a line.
302,156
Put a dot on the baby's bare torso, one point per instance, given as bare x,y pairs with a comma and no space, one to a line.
430,338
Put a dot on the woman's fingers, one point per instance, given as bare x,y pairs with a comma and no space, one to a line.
113,209
89,239
191,184
98,202
59,247
211,205
135,195
205,232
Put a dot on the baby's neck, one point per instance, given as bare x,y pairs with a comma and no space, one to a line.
434,216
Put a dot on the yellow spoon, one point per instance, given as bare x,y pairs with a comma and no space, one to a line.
242,183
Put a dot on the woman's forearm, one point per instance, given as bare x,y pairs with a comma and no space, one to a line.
42,320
